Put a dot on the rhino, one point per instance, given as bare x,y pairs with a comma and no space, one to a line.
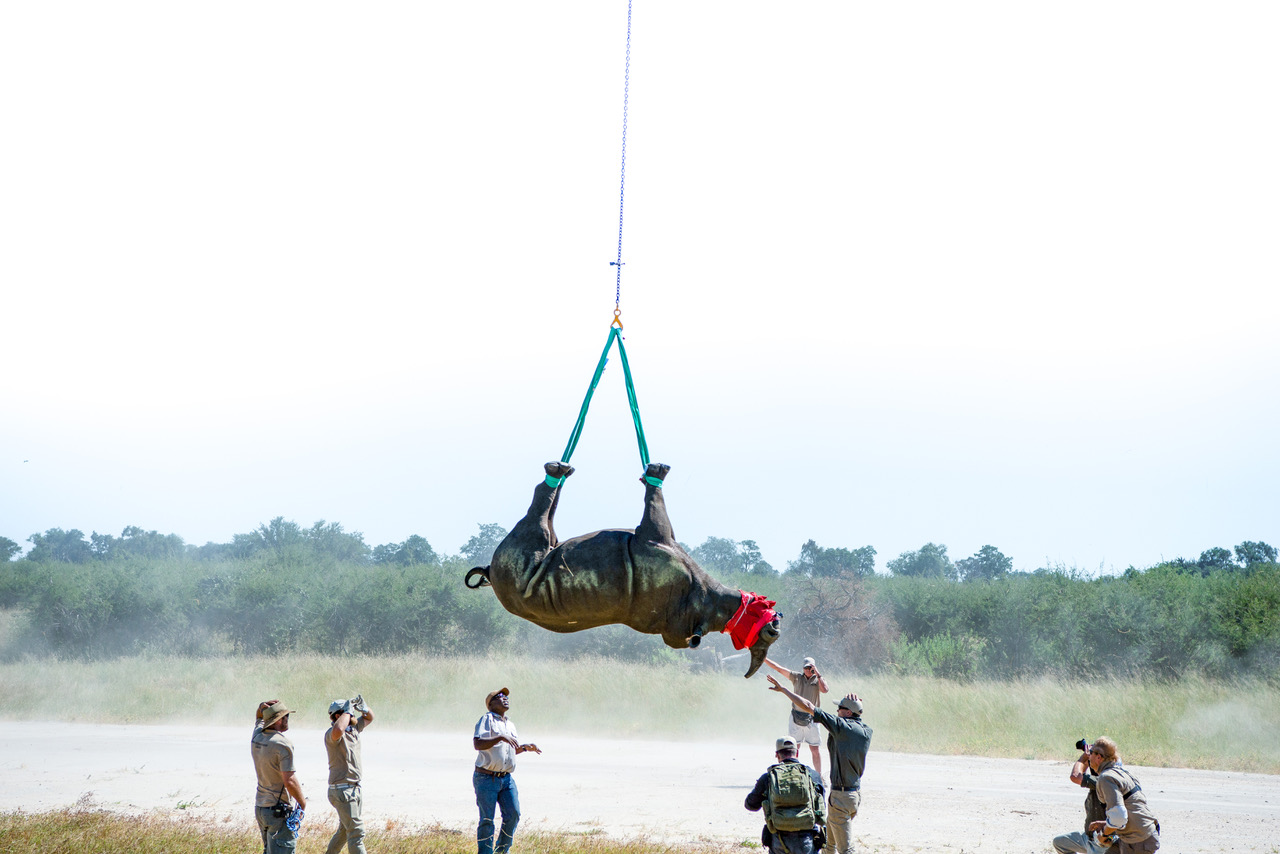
640,578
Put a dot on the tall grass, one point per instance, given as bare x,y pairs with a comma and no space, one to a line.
1192,722
78,831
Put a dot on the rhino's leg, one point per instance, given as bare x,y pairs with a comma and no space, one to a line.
655,525
536,531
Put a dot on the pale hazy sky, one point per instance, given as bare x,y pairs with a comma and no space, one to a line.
968,273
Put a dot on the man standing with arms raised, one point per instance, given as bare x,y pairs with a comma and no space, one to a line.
342,744
496,740
808,683
847,742
273,763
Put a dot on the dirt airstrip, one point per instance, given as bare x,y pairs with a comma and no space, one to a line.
669,790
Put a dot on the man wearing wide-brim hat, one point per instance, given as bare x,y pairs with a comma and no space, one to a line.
497,743
278,784
848,739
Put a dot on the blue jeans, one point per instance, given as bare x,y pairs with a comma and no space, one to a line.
277,838
792,842
492,792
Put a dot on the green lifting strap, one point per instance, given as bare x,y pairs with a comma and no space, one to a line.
615,334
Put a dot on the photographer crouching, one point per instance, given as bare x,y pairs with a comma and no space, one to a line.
1126,823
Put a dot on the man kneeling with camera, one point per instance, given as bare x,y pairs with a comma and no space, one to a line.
1127,822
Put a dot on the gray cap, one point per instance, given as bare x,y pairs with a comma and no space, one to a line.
851,703
784,743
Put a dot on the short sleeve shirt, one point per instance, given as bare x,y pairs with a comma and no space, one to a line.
806,687
344,754
501,758
272,759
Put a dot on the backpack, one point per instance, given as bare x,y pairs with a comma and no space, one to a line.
788,802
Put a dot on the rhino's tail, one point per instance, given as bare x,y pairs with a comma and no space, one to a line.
481,576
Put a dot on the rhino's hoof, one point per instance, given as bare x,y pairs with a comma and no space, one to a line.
655,470
558,469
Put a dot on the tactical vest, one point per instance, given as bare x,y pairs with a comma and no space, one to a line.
1094,808
788,802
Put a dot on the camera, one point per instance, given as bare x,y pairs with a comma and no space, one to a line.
281,810
1082,746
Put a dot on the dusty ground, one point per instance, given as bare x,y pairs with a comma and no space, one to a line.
672,790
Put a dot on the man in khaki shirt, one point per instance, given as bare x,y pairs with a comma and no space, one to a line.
278,785
342,744
808,683
1128,816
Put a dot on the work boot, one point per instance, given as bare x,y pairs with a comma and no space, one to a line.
558,470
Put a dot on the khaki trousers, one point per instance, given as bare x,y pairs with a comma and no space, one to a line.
841,808
349,803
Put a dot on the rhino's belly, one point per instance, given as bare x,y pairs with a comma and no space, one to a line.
581,583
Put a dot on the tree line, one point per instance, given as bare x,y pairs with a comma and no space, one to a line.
288,588
716,553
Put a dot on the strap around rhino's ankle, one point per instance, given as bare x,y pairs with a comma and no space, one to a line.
553,482
654,481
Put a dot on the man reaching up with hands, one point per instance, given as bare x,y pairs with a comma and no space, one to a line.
342,744
848,739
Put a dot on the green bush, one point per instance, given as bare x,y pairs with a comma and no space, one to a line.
958,658
1163,622
301,593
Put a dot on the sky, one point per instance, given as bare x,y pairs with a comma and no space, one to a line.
963,273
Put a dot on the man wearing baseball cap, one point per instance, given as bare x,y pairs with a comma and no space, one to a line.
792,798
346,794
848,739
808,683
277,782
498,744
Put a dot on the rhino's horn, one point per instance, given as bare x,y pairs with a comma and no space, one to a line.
768,634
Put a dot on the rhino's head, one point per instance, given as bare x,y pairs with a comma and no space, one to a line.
768,634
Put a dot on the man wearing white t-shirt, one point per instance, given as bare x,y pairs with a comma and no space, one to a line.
498,744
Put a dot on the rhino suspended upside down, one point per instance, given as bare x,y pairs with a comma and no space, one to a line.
641,578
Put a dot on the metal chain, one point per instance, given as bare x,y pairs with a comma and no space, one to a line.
622,181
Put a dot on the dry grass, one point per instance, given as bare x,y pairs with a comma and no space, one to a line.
1192,723
76,831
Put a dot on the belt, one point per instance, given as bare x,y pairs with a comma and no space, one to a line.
489,773
344,785
845,788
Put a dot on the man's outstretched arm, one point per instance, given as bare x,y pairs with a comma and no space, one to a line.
800,702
